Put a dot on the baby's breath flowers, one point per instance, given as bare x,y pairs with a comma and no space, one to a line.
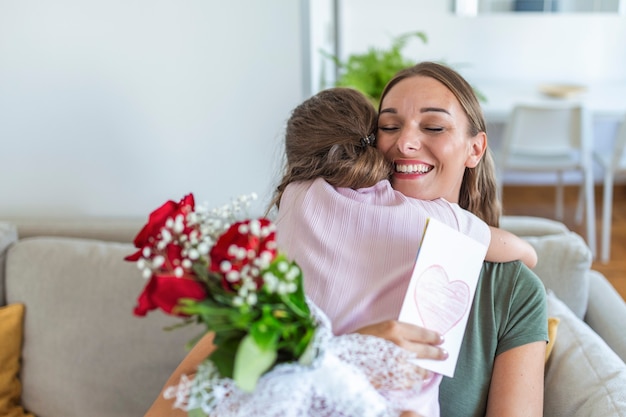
208,267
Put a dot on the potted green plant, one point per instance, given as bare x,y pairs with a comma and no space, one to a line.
369,72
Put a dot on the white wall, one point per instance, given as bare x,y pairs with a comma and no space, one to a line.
577,47
110,107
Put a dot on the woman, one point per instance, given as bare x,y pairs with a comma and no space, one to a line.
353,236
431,127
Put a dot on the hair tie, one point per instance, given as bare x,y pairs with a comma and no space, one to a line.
368,141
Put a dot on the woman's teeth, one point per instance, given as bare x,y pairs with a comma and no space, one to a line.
413,168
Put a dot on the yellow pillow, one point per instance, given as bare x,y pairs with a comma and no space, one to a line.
553,324
11,318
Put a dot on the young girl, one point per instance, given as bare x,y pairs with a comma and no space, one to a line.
354,237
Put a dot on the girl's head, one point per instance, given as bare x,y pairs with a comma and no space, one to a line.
432,128
330,136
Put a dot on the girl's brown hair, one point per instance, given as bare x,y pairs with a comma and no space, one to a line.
478,189
327,137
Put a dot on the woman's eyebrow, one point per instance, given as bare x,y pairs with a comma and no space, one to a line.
389,110
437,109
422,110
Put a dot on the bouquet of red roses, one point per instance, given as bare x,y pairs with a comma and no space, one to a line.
206,267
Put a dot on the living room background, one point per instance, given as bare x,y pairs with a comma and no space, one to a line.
108,108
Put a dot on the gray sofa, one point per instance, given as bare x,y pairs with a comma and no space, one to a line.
85,354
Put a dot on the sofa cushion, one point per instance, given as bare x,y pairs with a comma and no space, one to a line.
584,377
84,352
563,264
11,318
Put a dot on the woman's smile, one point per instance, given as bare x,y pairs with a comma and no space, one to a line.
404,168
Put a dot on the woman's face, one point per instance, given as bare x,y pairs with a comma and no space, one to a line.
423,129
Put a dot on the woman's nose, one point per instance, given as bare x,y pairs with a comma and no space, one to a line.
408,142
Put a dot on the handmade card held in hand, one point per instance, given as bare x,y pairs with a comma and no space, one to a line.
442,287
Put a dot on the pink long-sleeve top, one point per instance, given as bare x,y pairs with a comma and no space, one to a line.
357,248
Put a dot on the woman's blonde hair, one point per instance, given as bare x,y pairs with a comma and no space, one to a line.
478,189
330,136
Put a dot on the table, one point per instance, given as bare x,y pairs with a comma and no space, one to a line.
605,100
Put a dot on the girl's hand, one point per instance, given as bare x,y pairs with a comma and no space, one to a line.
416,339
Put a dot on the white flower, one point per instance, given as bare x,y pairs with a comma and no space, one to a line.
232,276
271,282
255,227
193,254
293,273
204,248
251,299
225,266
158,261
283,288
166,236
179,224
283,266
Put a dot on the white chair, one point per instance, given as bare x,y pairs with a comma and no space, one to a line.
612,163
552,138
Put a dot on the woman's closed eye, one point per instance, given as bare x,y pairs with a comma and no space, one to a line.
388,128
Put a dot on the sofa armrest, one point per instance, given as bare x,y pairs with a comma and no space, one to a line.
606,313
8,236
532,226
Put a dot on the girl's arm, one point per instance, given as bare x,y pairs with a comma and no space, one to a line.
517,382
506,247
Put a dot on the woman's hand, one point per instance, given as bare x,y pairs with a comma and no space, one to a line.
416,339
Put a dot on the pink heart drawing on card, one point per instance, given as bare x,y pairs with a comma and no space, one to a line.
441,303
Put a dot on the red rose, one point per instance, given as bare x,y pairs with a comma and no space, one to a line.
240,246
164,291
150,232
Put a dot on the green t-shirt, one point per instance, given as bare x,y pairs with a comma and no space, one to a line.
509,310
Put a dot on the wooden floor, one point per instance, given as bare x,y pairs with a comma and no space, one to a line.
540,200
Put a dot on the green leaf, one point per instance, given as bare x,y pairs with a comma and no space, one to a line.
224,356
267,330
196,412
251,362
304,341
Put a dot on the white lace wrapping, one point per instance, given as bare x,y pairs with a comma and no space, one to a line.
350,375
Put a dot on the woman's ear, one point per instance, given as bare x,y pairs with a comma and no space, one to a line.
478,147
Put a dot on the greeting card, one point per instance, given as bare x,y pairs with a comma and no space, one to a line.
442,287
